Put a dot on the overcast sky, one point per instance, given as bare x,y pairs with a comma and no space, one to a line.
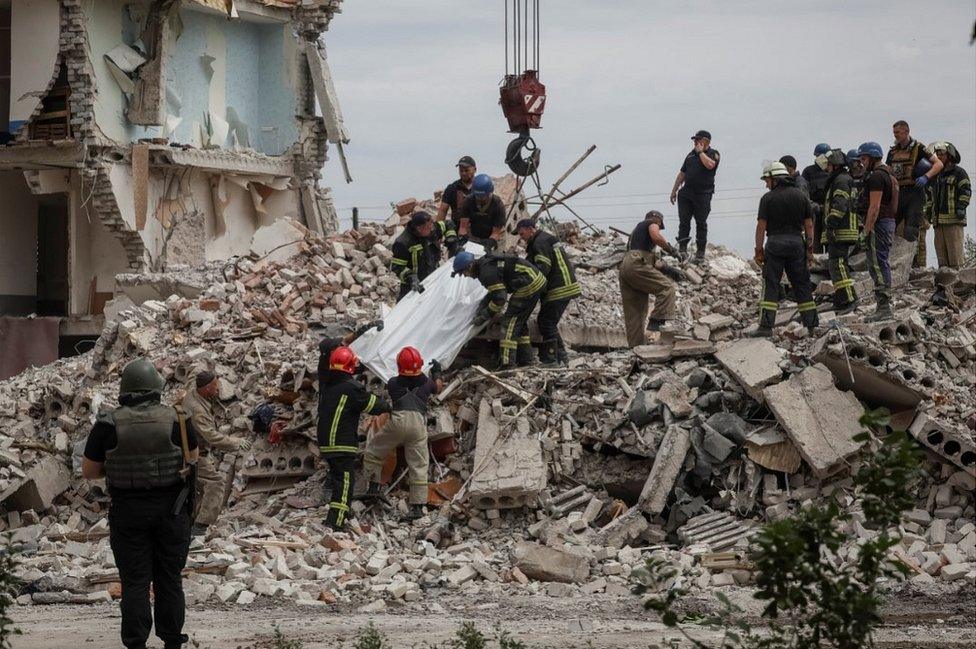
418,84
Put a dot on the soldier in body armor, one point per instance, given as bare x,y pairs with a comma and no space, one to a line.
142,448
913,168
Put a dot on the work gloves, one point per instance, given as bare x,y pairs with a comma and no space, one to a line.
453,246
490,245
922,181
244,444
369,325
480,320
435,369
415,284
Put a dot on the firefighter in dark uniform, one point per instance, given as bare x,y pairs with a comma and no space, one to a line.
140,450
342,400
947,199
840,227
502,275
452,199
693,190
913,168
543,250
816,179
416,253
785,215
482,214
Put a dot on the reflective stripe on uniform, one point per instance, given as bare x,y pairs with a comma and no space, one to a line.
335,420
806,306
338,449
563,293
537,283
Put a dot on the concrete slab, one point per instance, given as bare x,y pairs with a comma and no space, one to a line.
753,363
820,419
508,473
44,482
667,464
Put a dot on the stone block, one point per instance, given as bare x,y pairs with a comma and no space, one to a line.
42,483
956,571
954,445
753,363
817,417
509,473
543,563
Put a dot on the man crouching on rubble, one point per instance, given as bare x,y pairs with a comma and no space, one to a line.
342,400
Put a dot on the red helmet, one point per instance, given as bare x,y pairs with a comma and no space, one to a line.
343,359
409,362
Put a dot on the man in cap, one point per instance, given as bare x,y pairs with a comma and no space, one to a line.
801,183
947,198
693,190
453,198
143,449
545,251
913,167
639,277
816,179
198,404
416,253
785,216
876,210
482,214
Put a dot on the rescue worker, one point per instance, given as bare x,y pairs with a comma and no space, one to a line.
785,218
816,179
143,449
947,199
502,275
416,253
693,190
482,214
544,250
452,199
198,406
342,400
410,392
876,209
639,278
854,167
840,227
913,168
801,183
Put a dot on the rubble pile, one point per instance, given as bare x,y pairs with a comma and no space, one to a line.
556,481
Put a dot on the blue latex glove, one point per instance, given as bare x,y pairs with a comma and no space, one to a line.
922,181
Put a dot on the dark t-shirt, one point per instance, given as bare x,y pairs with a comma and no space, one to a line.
103,438
640,238
454,196
483,220
698,178
401,387
784,208
878,180
816,179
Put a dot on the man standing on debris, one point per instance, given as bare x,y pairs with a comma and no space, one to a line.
502,275
912,168
693,189
945,205
142,448
409,392
453,198
544,250
785,216
415,253
876,209
801,183
198,406
639,278
342,401
816,179
482,214
840,227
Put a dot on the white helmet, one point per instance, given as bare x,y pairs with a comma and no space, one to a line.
774,170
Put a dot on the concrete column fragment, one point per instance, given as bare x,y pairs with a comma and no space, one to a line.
753,362
667,464
508,472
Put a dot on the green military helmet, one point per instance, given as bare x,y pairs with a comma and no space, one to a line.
140,377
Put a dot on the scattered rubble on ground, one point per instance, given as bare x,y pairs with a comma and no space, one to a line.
544,481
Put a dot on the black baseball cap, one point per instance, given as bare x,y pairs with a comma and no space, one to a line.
701,134
466,161
789,161
525,223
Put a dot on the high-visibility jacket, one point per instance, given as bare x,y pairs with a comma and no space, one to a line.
413,255
549,257
502,275
342,400
947,197
840,210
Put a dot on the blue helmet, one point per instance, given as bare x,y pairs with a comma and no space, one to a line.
482,185
852,156
462,261
821,148
872,149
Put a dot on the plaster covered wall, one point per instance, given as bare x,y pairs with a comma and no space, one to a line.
18,242
245,74
93,252
35,26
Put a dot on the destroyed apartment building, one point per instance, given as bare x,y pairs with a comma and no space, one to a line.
142,135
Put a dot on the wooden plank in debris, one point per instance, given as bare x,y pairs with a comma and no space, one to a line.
508,387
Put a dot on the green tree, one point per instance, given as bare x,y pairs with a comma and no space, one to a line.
9,587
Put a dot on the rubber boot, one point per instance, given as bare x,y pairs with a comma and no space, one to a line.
184,638
548,354
524,356
415,512
198,530
561,354
373,493
850,307
655,324
761,332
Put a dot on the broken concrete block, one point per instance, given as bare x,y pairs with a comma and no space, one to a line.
549,564
462,575
43,482
956,571
954,445
508,473
819,419
674,394
753,363
667,464
280,241
717,530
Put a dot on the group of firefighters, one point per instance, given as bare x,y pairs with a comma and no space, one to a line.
844,202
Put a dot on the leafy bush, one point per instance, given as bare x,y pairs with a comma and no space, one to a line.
9,587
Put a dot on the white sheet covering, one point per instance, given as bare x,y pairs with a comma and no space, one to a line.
437,322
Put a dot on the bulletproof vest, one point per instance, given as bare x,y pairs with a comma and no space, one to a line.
145,456
902,162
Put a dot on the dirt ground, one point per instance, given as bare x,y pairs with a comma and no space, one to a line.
912,620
